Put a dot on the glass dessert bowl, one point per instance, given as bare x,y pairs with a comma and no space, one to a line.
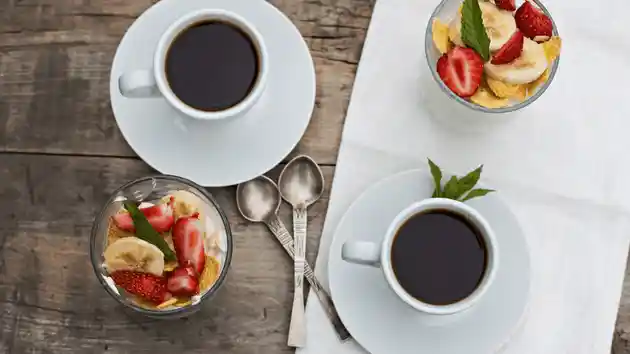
497,57
161,246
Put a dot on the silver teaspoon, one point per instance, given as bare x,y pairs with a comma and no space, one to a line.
258,201
301,183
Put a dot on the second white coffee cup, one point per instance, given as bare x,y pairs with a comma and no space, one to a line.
379,255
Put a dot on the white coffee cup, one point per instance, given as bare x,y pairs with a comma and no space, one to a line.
152,82
379,255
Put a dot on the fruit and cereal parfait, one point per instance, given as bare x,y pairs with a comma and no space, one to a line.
164,255
495,54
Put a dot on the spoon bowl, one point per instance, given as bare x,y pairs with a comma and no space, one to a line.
301,182
258,200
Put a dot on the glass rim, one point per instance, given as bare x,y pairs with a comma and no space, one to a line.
428,46
96,261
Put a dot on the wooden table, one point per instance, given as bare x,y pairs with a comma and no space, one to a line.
61,155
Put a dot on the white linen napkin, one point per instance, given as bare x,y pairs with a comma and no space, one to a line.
560,163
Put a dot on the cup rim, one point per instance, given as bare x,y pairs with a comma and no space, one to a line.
177,27
470,214
429,46
96,258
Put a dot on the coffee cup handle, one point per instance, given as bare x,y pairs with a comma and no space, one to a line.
138,84
362,252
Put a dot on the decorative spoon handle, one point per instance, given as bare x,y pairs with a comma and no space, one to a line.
297,328
282,235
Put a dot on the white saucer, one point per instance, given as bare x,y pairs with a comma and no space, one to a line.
383,324
218,153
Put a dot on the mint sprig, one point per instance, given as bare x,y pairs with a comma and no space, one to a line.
460,189
146,232
473,31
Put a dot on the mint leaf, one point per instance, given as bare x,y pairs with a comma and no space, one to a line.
467,182
451,188
477,193
146,232
473,31
437,178
460,189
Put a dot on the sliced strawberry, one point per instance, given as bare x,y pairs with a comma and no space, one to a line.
159,216
186,269
180,283
188,238
123,221
148,286
511,50
509,5
533,22
461,69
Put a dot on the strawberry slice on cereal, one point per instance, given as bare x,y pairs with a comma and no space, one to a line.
145,285
188,239
508,5
183,282
461,69
159,216
510,50
533,22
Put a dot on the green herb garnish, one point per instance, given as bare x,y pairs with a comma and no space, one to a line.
146,232
460,189
437,178
477,193
473,31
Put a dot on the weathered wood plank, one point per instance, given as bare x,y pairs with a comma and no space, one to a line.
50,301
621,340
55,57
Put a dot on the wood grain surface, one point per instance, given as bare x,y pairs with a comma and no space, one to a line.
50,301
55,57
61,155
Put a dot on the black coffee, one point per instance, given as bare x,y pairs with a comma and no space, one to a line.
212,66
439,257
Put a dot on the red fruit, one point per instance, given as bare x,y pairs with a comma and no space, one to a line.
533,22
461,69
147,286
511,50
181,283
188,235
186,269
509,5
159,216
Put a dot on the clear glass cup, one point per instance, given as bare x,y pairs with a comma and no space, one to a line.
446,11
151,189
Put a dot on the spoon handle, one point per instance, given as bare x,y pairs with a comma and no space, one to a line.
297,328
282,235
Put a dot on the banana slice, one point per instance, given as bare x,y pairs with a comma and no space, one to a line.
185,204
499,24
528,67
132,253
